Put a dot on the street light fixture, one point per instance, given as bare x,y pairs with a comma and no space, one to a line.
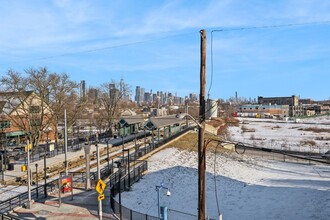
186,115
45,162
108,159
168,193
128,168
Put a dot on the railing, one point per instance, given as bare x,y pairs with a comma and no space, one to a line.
121,185
22,198
135,175
7,217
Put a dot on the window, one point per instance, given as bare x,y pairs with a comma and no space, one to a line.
35,122
4,124
35,109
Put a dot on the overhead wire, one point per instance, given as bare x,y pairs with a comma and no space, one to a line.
256,27
108,47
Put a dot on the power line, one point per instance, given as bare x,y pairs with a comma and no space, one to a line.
254,28
110,47
271,26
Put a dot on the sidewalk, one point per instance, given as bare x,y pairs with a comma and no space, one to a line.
83,206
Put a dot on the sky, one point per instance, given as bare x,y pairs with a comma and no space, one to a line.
156,44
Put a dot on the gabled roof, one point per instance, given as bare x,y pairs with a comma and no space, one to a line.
2,105
128,112
160,122
130,120
12,100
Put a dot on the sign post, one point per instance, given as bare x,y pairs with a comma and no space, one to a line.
100,187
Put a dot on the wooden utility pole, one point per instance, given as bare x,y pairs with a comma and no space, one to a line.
201,143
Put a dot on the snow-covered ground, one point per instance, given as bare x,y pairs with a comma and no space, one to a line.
238,186
246,188
289,135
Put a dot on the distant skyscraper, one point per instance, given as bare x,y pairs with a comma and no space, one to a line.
83,89
112,90
142,95
137,94
193,97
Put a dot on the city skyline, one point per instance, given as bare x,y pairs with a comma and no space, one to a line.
258,48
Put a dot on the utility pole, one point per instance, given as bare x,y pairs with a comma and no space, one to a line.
187,114
201,143
98,172
29,202
87,148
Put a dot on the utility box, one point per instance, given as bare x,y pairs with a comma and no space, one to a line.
163,213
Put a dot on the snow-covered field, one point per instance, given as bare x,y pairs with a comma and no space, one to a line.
277,134
246,188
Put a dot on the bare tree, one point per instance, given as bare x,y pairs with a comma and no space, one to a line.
26,110
44,106
112,97
63,95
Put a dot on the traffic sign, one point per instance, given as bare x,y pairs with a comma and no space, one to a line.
100,186
100,197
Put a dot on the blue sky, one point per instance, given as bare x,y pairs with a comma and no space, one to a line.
156,44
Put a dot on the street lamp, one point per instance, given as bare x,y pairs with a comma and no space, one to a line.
29,202
122,144
119,188
45,175
168,193
45,162
37,179
108,159
186,115
128,168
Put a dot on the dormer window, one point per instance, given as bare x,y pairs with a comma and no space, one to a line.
35,109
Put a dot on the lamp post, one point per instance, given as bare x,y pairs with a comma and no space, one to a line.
128,168
145,140
119,189
135,139
168,193
87,148
28,176
45,175
98,171
3,126
122,144
37,179
108,154
45,162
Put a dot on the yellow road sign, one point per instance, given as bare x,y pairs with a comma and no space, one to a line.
100,197
29,146
100,186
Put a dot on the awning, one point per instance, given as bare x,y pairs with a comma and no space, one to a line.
15,133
